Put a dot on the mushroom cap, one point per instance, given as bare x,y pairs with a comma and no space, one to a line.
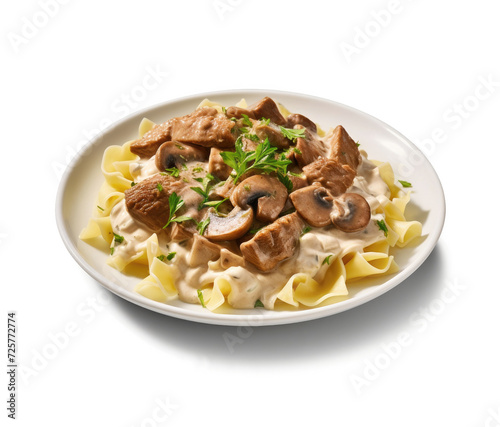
229,227
266,193
314,204
351,213
173,153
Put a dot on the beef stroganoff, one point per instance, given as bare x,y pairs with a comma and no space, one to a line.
249,206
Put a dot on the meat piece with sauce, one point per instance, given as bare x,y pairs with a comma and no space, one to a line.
148,201
343,148
332,175
151,140
274,243
205,126
266,108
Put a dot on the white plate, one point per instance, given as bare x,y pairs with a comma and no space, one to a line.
81,181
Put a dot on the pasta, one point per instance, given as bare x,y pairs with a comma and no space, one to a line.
323,264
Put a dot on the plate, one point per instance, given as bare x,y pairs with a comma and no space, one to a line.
82,179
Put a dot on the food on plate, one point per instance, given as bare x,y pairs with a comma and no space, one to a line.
248,206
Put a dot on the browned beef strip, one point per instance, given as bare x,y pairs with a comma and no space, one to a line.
310,148
238,112
274,243
299,119
332,175
216,165
147,201
151,141
266,108
343,148
205,127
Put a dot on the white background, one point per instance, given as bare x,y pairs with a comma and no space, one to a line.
429,69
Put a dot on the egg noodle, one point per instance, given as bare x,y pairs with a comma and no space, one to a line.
318,274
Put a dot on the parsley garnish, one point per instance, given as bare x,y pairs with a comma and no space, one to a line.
118,238
382,225
247,121
258,303
293,134
305,230
200,297
327,260
265,122
159,187
98,207
173,172
262,158
205,190
133,183
404,183
171,255
202,225
174,204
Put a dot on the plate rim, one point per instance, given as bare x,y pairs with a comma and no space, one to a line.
208,317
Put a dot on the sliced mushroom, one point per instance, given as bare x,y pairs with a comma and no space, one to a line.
173,153
299,119
314,204
266,108
274,243
238,112
351,213
266,193
229,227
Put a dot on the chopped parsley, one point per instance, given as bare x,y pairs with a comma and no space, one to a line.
173,172
200,297
159,187
262,159
405,184
327,260
101,209
247,121
306,230
118,239
202,225
382,225
174,204
293,134
258,304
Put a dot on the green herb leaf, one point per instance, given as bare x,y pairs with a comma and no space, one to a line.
247,121
382,225
174,204
101,209
404,183
161,257
118,239
173,172
171,255
159,187
200,297
258,304
265,122
133,183
327,260
202,225
293,134
306,230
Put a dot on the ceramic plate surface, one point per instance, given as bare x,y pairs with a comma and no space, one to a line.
81,181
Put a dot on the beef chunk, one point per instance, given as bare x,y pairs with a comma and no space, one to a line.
148,204
216,165
238,112
310,148
274,243
205,127
299,119
267,108
151,140
343,148
332,175
273,133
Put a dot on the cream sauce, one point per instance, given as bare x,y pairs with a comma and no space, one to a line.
248,283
